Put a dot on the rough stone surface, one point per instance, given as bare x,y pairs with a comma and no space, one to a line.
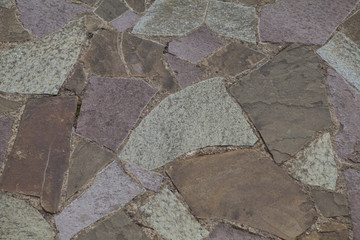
148,179
233,59
18,220
351,28
89,2
302,21
110,9
330,204
346,101
227,232
329,231
125,21
253,2
232,20
170,218
172,17
94,23
23,66
286,101
5,129
7,106
85,162
111,107
77,80
344,55
43,18
111,190
353,178
316,165
6,4
11,29
199,116
137,5
40,155
196,45
245,187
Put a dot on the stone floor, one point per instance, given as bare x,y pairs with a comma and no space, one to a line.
179,119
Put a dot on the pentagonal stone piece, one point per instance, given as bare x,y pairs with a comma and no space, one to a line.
351,28
125,21
5,129
353,178
148,179
11,29
330,204
227,232
199,116
110,9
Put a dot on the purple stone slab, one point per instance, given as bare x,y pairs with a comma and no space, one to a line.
111,107
196,45
353,180
346,101
112,189
227,232
43,17
125,21
147,178
5,129
304,21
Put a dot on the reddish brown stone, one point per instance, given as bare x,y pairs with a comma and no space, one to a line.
137,5
77,80
40,154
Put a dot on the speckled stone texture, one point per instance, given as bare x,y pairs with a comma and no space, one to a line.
11,29
7,106
351,28
353,178
196,45
43,18
302,21
23,66
125,21
5,129
227,232
18,220
111,107
232,20
6,4
172,17
170,218
344,55
110,9
148,179
330,204
111,190
199,116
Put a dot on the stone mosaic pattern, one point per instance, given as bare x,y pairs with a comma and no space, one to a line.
110,9
125,21
226,232
10,27
148,179
5,126
353,177
331,204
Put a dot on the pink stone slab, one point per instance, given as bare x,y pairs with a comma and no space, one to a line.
147,178
125,21
111,107
303,21
5,129
353,180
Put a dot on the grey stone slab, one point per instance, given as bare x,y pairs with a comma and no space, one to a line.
331,204
227,232
172,17
353,178
112,189
170,218
125,21
110,9
5,129
6,4
199,116
148,179
23,66
7,106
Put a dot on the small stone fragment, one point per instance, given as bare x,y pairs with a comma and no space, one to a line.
112,189
6,4
351,28
18,220
111,9
148,179
125,21
353,178
5,129
137,5
77,80
7,106
329,231
227,232
11,29
330,204
170,218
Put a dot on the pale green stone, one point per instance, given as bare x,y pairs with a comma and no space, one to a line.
6,4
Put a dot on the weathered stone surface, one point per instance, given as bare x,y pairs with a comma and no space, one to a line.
7,106
125,21
172,17
186,73
118,226
43,18
286,100
137,5
6,4
233,59
111,107
170,218
199,116
316,165
89,2
232,20
18,220
23,66
346,101
351,27
111,9
77,80
85,162
111,190
330,204
329,231
148,179
40,155
103,57
227,232
94,23
303,21
246,187
196,45
11,29
344,55
353,178
253,2
5,129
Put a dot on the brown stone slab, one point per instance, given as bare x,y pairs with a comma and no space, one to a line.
11,29
137,5
40,154
330,204
7,106
351,27
246,187
77,80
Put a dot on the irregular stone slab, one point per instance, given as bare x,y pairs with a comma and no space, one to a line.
18,220
351,29
137,5
186,73
94,23
7,106
233,59
43,18
227,232
5,129
148,179
40,155
286,100
125,21
330,204
245,187
172,17
77,80
170,218
110,9
11,29
199,116
344,55
329,231
316,165
6,4
295,21
346,101
111,190
85,162
196,45
111,107
118,226
23,66
232,20
353,178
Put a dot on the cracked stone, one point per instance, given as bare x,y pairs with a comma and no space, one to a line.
5,129
6,4
199,116
137,5
330,204
110,9
286,100
353,178
227,232
7,106
245,187
77,80
11,29
125,21
148,179
351,29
